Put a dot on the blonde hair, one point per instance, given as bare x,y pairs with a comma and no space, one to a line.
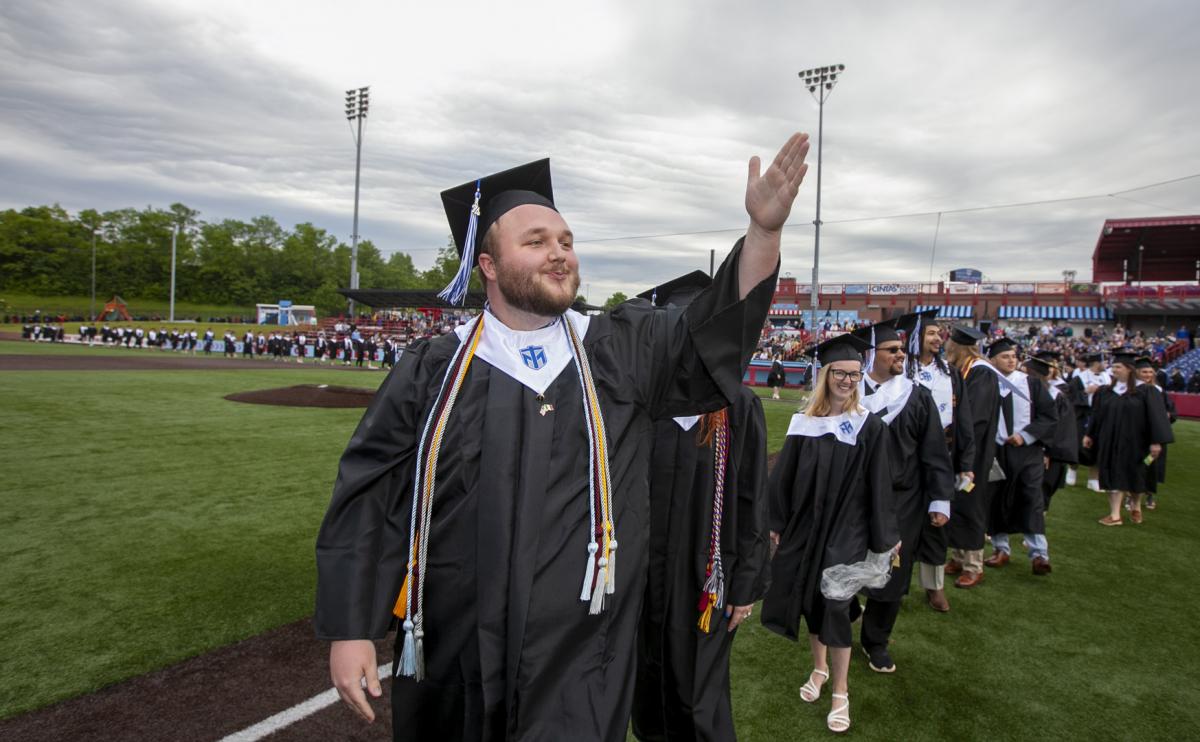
962,356
820,404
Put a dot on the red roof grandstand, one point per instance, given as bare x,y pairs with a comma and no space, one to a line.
1154,249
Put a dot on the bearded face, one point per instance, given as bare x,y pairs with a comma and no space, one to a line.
533,258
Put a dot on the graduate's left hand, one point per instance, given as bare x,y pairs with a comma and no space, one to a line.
769,195
937,520
1016,440
736,614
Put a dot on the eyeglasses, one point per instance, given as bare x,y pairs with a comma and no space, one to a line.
840,375
897,349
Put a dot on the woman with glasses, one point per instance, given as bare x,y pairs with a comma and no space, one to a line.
831,503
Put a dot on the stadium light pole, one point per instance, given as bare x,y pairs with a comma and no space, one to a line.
174,237
820,82
95,229
356,110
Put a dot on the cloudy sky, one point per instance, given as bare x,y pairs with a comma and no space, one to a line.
649,111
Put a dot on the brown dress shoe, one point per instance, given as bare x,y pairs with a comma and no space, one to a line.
1041,566
997,559
937,600
953,567
968,579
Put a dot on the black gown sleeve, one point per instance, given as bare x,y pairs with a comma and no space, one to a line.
884,528
1158,424
363,542
1065,446
937,477
964,428
1044,416
691,362
779,486
751,577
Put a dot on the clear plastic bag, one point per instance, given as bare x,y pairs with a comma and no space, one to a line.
842,581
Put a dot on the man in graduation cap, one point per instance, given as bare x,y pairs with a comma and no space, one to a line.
1026,426
1062,449
926,367
922,475
967,530
708,557
483,497
1090,379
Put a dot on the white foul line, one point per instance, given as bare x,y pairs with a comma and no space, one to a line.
290,716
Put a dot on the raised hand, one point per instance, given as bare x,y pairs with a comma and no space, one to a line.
770,194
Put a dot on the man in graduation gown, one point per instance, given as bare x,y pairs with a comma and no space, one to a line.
1146,374
923,480
708,560
497,460
967,529
1062,448
1027,424
1090,380
926,367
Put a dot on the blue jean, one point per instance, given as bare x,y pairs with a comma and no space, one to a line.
1038,546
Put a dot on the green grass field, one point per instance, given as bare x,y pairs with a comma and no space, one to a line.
145,520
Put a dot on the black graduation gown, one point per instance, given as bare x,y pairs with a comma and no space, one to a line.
1122,428
968,522
830,503
1081,410
1160,464
510,650
962,434
921,473
1063,448
1018,504
682,690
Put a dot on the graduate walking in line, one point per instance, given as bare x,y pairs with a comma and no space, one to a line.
832,512
708,558
1146,375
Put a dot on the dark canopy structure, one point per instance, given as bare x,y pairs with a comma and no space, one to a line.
1152,249
424,299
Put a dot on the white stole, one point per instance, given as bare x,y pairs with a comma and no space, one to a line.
533,357
891,395
688,422
845,427
939,384
1022,412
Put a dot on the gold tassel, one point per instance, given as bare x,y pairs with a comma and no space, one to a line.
401,602
706,617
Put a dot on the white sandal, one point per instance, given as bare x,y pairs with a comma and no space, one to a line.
810,692
838,720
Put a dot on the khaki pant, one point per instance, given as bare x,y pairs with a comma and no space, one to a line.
932,576
971,560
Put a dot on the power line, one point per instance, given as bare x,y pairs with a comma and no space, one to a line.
909,215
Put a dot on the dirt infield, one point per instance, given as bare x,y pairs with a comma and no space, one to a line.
212,696
308,395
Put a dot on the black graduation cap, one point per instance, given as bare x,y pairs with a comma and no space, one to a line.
1048,355
883,332
1000,346
473,207
1144,362
678,291
965,335
1039,366
1125,357
1093,357
913,326
847,347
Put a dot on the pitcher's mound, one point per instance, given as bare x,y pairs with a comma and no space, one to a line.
308,395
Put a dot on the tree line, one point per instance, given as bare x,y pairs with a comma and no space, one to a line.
44,250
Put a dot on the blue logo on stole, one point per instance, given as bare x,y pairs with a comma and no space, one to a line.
534,356
846,427
926,376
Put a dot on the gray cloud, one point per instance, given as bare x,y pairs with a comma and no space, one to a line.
121,103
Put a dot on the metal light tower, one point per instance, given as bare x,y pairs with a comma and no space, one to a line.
174,238
356,110
95,229
820,82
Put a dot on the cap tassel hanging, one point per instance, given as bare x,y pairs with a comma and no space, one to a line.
456,292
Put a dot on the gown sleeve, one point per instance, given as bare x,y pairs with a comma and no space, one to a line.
964,427
752,575
363,542
690,362
937,479
779,486
1158,424
1044,416
883,527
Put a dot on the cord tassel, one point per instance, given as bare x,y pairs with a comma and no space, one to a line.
598,593
589,574
420,655
610,585
408,656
